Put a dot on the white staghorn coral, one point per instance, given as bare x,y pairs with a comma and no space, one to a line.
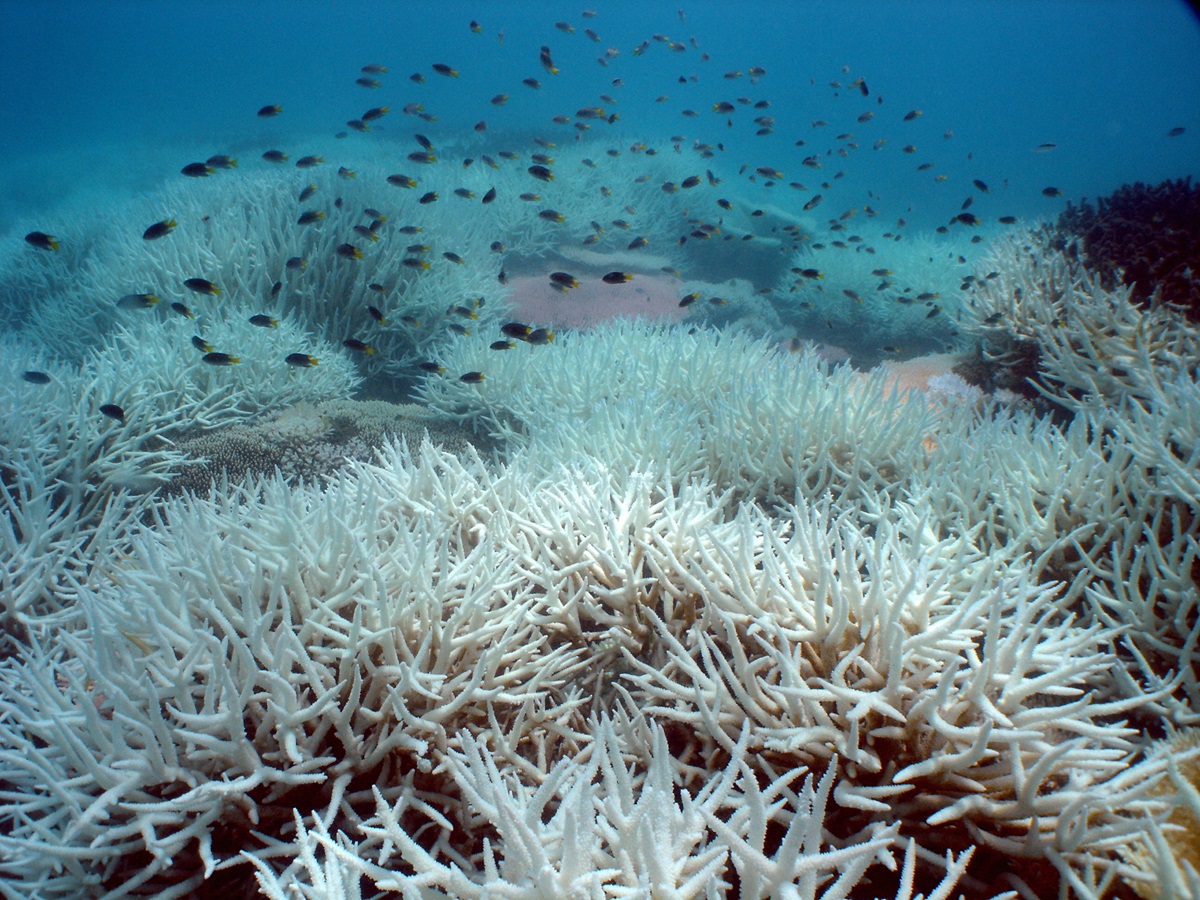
696,402
1125,492
1096,349
416,657
74,475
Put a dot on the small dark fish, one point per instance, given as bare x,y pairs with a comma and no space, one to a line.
374,69
429,197
159,229
219,359
540,336
912,114
550,215
443,69
262,320
113,412
564,279
430,367
269,111
348,251
300,360
202,286
200,344
197,170
471,377
516,330
137,301
453,257
981,185
366,82
1052,192
489,196
41,240
616,278
501,345
309,162
637,243
377,315
1176,131
182,310
358,346
375,112
1045,148
35,377
221,161
275,156
967,218
1008,220
401,181
541,173
309,216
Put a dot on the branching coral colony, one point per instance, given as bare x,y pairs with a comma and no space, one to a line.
716,621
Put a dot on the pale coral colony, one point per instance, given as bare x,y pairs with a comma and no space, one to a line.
674,605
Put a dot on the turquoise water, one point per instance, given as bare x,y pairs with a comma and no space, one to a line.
103,93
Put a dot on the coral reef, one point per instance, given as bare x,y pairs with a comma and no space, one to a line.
651,610
1144,236
441,659
311,441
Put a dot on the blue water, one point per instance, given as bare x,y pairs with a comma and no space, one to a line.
101,93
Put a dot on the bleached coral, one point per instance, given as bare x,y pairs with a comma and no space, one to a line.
1095,348
687,402
448,634
1126,374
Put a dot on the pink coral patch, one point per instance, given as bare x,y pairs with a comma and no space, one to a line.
649,297
916,372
